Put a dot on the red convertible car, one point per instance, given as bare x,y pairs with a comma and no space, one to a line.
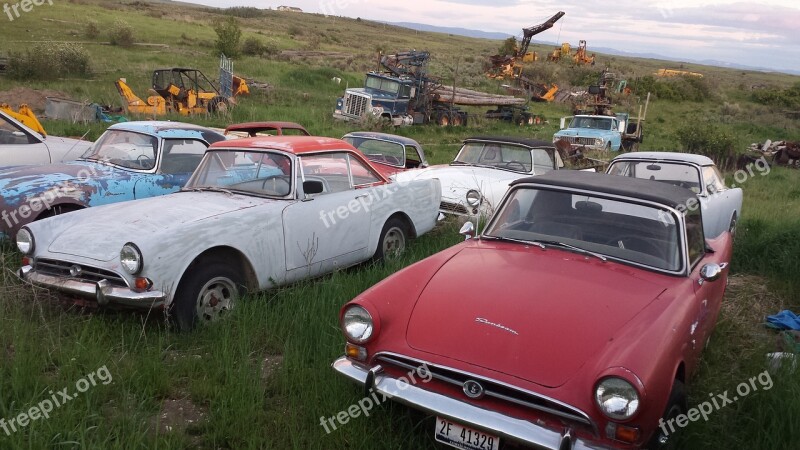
573,321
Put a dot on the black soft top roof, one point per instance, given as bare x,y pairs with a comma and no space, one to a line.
511,140
654,191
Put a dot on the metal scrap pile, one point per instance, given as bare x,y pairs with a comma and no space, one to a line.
785,153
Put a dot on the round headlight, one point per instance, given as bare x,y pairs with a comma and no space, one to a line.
617,398
598,142
25,242
474,198
357,324
131,258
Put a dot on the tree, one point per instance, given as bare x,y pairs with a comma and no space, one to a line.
509,47
228,36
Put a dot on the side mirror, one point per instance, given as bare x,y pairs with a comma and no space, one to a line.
313,187
467,230
563,123
712,272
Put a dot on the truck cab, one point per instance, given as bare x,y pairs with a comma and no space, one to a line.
382,96
594,132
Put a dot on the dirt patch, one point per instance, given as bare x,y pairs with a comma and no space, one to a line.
176,416
270,364
34,98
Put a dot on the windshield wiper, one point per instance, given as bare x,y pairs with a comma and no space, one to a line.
207,189
574,248
508,239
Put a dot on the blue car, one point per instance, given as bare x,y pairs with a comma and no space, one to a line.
130,161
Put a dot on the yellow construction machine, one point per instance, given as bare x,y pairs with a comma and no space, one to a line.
24,115
677,73
509,66
183,91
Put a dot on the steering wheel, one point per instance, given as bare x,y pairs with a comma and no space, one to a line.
284,178
637,244
521,166
141,160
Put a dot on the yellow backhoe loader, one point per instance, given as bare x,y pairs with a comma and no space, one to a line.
25,115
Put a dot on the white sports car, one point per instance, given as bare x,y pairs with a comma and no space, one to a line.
722,206
20,145
257,213
474,183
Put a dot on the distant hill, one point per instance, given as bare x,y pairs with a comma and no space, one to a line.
453,30
605,50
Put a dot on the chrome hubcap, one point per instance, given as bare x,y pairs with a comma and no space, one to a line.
393,243
216,298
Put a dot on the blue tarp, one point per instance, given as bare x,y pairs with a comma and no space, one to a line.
784,320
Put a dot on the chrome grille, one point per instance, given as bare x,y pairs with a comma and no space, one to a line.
492,388
453,208
356,104
87,274
579,140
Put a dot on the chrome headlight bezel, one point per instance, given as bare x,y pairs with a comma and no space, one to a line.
473,198
617,398
130,258
358,325
27,244
599,142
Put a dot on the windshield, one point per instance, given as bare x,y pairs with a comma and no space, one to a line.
618,229
380,151
125,149
507,156
597,123
382,84
683,175
260,173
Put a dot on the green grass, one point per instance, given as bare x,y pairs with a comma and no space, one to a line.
219,370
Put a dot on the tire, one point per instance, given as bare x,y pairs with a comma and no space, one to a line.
218,104
608,147
443,119
455,120
57,210
393,240
732,227
205,295
676,405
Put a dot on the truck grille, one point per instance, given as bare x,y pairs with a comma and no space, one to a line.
87,274
356,104
491,388
578,140
454,208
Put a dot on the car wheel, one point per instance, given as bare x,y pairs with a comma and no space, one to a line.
608,147
676,406
732,227
218,104
443,120
392,241
455,120
206,294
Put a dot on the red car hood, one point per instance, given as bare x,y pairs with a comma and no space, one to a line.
538,315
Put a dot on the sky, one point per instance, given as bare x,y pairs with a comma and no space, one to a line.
759,34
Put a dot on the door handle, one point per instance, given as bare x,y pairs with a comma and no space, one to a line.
362,196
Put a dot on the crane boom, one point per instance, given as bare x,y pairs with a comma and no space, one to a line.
530,32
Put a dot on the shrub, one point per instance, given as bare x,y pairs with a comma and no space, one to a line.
710,140
228,36
253,46
92,30
509,47
48,60
787,98
294,30
121,34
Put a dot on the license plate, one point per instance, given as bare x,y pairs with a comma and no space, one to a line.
462,437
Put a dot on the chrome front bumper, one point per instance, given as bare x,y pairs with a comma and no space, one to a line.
516,430
102,291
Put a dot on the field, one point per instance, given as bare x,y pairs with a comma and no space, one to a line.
262,378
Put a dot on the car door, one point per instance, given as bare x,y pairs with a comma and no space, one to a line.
331,229
719,202
707,294
179,159
18,146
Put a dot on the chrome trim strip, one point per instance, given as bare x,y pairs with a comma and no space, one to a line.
506,427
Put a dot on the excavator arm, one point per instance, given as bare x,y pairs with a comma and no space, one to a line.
530,32
25,115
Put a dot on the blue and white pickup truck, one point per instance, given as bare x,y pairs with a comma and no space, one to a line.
598,132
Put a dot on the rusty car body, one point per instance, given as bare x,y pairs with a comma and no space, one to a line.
574,321
131,160
257,213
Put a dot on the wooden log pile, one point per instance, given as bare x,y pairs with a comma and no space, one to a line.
468,97
785,153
